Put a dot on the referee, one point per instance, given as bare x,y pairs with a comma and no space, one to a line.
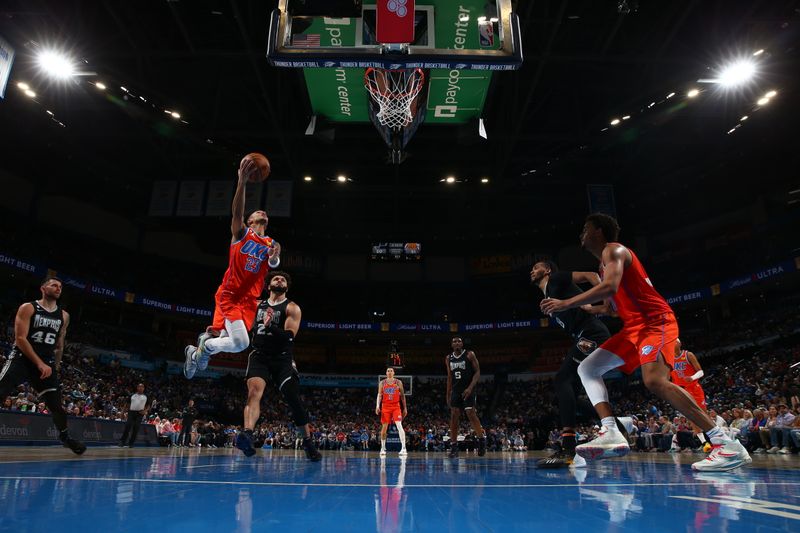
136,411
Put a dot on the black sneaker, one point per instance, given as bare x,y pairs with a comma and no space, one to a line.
482,447
560,459
453,453
311,450
75,445
244,441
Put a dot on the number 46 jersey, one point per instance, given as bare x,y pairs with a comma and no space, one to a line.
43,331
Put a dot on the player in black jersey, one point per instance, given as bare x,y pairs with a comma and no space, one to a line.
463,373
588,332
276,325
39,329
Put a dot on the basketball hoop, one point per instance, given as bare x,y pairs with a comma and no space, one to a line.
394,91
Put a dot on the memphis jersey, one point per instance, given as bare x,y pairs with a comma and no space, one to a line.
682,369
43,331
245,275
636,301
461,371
390,394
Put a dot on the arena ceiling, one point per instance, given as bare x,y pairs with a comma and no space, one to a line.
586,63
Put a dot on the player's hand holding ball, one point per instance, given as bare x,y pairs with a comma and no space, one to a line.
254,168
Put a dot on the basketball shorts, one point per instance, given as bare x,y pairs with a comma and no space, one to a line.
279,369
587,341
457,400
639,344
697,393
19,369
229,306
391,414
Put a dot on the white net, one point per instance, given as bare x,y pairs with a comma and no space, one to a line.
394,91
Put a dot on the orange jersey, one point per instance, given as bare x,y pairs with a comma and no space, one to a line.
390,394
636,301
682,369
245,275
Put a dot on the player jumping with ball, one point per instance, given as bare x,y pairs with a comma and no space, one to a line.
237,297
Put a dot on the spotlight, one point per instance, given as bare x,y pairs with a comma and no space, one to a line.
30,93
758,52
24,86
175,114
626,117
484,180
692,93
614,122
341,178
771,94
737,73
763,101
56,64
307,178
670,95
100,85
743,118
450,179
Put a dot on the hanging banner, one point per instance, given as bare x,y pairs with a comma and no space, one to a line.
252,198
162,199
279,198
6,60
190,199
220,196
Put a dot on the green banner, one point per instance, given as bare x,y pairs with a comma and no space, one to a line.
336,93
454,96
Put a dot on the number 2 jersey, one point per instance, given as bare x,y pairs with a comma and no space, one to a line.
246,274
263,340
43,331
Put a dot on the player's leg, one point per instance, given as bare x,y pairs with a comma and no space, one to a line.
384,429
611,442
455,418
289,388
402,434
475,422
237,340
252,410
566,387
51,397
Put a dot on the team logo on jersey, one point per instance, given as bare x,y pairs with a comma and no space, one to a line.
647,349
460,365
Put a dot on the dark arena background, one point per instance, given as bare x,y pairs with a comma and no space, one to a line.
424,157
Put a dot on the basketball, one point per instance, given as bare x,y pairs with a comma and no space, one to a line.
263,166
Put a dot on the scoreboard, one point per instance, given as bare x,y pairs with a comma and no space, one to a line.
396,251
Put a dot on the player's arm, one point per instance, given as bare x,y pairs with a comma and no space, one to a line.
402,398
59,351
378,399
21,327
476,377
614,258
604,308
247,168
293,315
592,278
692,358
449,379
274,255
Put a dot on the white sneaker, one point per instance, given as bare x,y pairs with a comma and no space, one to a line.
609,443
774,449
190,364
784,450
578,462
759,450
202,355
725,455
403,452
383,453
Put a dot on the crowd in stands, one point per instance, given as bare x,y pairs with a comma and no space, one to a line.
752,390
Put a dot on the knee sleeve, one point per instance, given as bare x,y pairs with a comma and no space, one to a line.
291,393
591,372
52,399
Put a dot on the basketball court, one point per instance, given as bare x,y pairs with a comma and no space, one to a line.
221,490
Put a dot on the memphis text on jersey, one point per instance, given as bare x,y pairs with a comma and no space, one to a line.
45,322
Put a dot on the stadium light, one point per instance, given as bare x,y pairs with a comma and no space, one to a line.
763,101
307,178
484,180
30,93
56,64
743,118
692,93
771,94
100,85
450,179
614,122
758,52
24,86
737,73
626,117
341,178
175,115
670,95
